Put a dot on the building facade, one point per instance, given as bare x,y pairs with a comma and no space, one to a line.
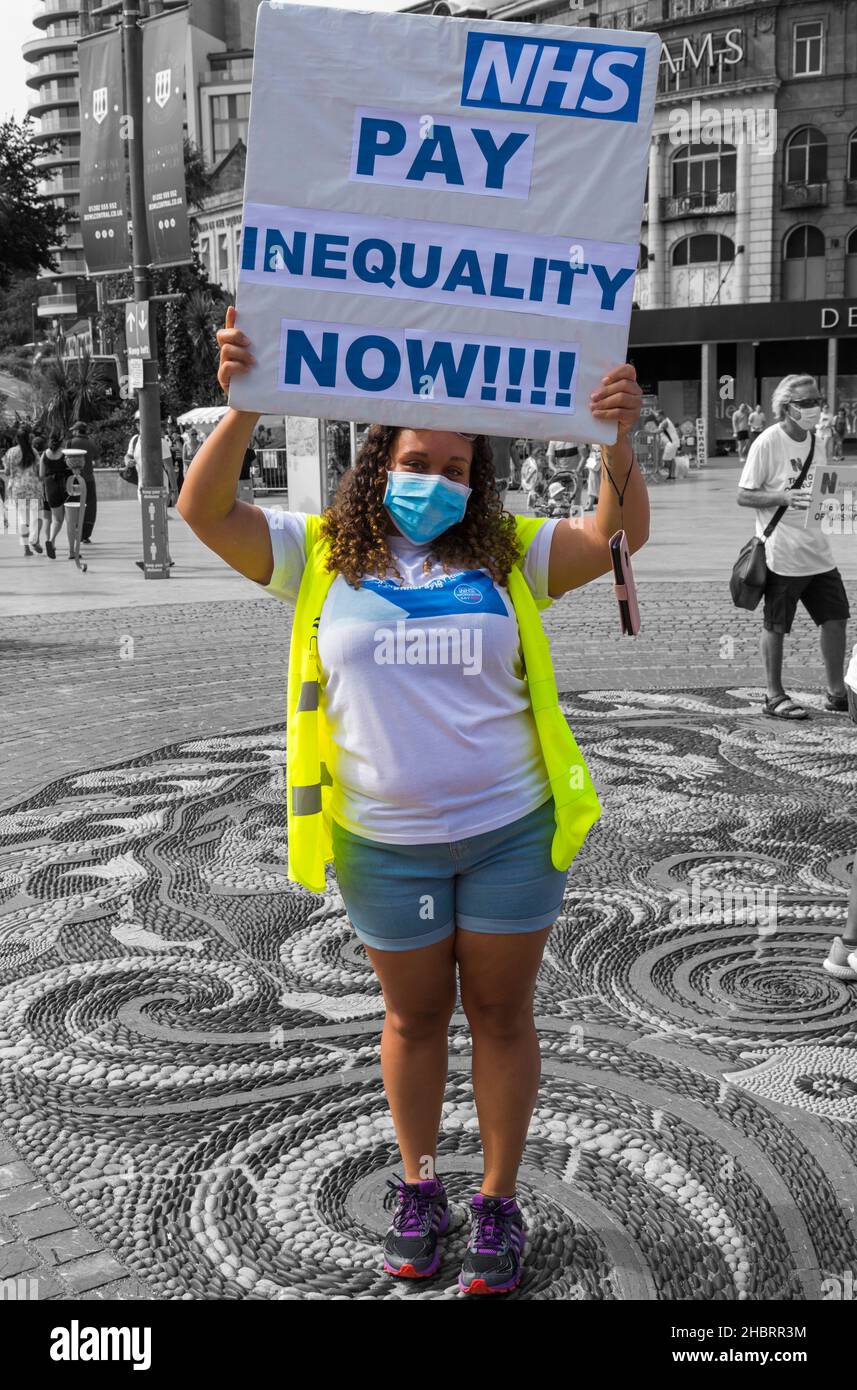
748,259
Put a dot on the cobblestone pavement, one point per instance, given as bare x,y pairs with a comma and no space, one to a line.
189,1045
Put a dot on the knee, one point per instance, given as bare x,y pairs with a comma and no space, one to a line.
503,1020
835,625
419,1025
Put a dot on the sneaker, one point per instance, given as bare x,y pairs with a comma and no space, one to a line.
412,1248
37,547
841,961
493,1259
27,550
50,550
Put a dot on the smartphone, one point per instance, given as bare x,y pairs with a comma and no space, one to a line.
623,584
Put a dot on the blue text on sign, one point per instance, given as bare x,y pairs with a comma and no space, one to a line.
423,150
558,77
322,358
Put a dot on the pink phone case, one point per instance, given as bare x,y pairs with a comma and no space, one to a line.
623,584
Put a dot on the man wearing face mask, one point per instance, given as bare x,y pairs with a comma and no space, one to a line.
800,562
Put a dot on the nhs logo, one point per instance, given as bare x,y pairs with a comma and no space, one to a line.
560,77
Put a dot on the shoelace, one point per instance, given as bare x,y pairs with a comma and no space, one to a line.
412,1217
492,1234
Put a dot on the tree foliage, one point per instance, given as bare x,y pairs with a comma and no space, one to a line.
69,389
29,225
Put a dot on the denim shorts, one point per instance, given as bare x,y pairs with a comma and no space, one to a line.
403,896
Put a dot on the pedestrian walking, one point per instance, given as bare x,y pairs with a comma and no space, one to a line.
741,430
840,429
800,562
24,492
668,440
449,806
80,440
824,434
54,472
133,455
756,422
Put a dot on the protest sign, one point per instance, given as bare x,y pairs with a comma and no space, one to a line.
453,243
833,500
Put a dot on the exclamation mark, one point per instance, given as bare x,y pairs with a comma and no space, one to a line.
490,368
541,367
565,376
517,361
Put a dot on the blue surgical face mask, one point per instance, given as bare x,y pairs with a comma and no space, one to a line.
424,505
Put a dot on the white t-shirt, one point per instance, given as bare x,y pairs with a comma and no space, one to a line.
773,464
424,693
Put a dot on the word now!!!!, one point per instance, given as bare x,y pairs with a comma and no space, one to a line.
321,358
300,248
421,151
560,77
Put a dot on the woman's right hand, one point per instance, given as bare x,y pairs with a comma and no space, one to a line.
235,355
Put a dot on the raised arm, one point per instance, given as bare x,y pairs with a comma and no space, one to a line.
580,548
236,531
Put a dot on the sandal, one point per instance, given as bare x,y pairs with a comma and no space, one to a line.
837,703
783,708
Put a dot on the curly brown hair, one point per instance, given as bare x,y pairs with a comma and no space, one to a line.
356,525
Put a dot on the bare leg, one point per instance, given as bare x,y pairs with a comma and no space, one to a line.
832,638
772,655
419,992
498,975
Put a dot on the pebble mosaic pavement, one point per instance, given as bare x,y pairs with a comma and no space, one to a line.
189,1043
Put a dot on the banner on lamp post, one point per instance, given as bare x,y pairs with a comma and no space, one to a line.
103,201
164,43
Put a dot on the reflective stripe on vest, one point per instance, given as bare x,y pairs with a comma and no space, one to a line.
308,781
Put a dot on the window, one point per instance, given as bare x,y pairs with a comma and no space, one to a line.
229,117
707,248
851,264
222,274
804,264
808,53
852,156
643,259
703,171
806,156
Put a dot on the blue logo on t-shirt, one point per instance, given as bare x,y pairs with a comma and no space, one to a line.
455,593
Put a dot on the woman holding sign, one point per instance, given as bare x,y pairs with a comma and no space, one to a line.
429,759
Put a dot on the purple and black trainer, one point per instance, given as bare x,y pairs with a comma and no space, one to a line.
412,1247
493,1260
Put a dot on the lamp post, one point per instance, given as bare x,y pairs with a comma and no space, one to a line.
152,494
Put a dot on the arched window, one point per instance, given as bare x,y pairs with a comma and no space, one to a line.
803,263
707,248
851,264
700,173
852,155
806,156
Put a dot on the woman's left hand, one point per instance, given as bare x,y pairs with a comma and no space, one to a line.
618,398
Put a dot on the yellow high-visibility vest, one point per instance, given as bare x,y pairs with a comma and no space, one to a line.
308,745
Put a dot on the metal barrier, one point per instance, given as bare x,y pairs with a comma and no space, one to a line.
271,471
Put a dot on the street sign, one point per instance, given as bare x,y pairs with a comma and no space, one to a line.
155,564
137,337
135,374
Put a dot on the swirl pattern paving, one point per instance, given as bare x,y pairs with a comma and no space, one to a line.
189,1043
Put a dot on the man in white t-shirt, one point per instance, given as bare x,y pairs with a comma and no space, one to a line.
801,566
133,454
